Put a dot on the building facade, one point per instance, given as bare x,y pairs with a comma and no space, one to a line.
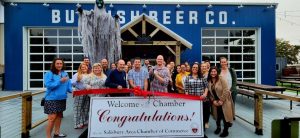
35,33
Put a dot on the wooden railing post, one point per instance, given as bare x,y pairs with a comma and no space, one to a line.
26,113
258,113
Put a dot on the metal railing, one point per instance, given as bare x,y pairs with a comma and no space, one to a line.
258,107
26,111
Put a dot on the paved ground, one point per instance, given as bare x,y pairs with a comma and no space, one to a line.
10,118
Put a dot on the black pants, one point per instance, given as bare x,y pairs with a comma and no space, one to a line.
221,117
233,96
206,112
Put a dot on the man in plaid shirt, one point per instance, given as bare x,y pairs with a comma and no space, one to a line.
138,76
161,76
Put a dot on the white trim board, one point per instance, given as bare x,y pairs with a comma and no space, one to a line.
214,2
25,59
1,13
160,26
258,73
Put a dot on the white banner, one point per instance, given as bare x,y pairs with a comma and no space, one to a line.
143,117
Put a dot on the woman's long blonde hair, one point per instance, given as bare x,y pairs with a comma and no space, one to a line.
98,65
79,71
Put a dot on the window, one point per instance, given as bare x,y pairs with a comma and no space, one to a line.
45,44
237,45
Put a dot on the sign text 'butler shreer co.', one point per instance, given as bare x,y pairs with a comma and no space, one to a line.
211,17
142,117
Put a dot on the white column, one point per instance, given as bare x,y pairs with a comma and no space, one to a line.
1,36
1,45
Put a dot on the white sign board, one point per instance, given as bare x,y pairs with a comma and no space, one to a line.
1,13
141,117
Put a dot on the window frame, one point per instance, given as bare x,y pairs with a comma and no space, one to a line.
72,36
242,53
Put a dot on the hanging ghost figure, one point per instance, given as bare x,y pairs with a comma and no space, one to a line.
101,37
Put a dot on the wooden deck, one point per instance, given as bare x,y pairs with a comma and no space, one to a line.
273,109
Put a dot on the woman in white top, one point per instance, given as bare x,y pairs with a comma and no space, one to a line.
229,75
97,78
204,70
81,81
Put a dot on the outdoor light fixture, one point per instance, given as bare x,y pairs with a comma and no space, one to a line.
46,4
240,6
209,6
178,6
144,6
78,5
13,4
111,5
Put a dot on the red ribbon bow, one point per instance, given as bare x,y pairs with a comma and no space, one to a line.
138,92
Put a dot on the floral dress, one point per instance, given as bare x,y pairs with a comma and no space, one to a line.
97,83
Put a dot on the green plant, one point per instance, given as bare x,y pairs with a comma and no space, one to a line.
285,49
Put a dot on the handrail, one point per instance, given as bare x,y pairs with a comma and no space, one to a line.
37,93
258,107
8,97
26,118
279,95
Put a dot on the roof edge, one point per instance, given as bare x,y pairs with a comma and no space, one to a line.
164,29
144,2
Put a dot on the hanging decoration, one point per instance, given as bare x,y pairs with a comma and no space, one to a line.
100,33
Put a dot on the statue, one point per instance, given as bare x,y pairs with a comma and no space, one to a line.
101,37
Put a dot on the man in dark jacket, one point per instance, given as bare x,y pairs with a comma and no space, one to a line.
117,79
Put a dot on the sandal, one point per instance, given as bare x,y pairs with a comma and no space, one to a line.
59,135
79,127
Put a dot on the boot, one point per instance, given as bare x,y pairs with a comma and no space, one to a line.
218,130
224,133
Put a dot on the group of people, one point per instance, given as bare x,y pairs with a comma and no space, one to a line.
215,85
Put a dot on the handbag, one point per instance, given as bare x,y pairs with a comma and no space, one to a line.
43,101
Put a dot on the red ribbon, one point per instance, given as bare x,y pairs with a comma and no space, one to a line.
137,92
